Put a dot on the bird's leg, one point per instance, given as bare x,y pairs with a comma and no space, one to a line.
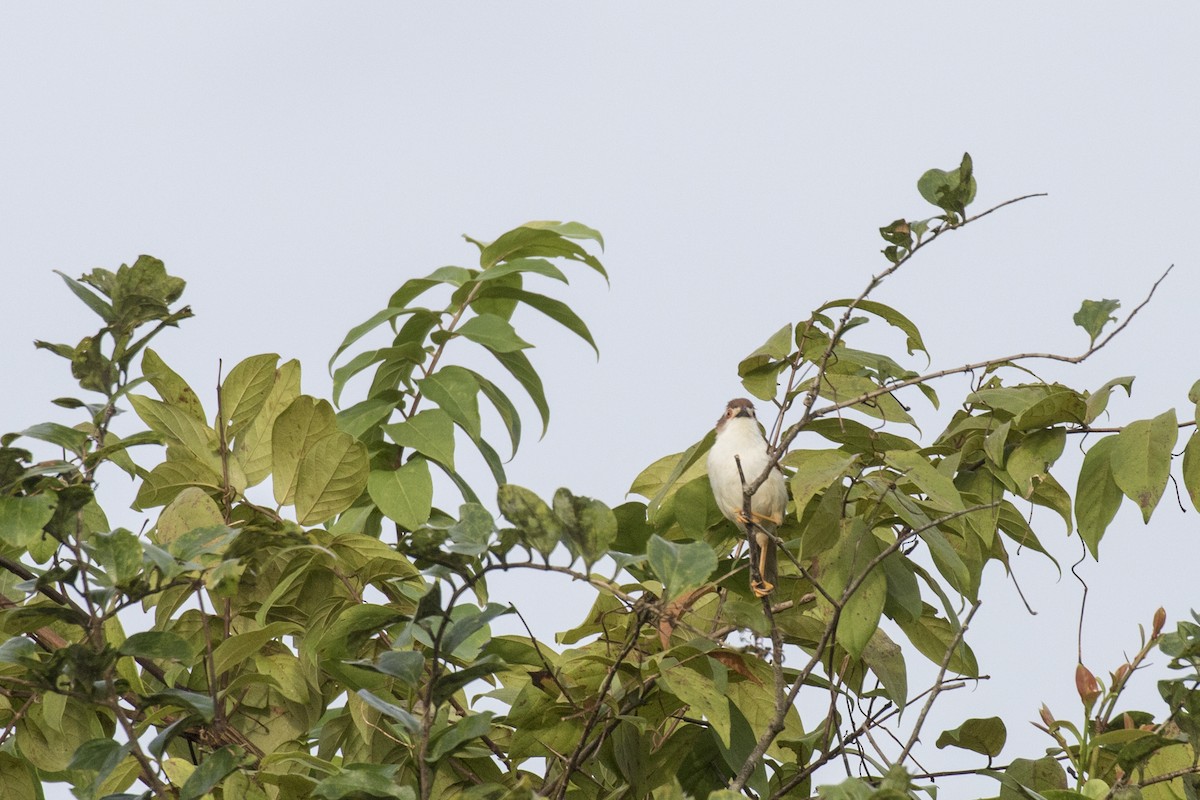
762,542
755,517
760,585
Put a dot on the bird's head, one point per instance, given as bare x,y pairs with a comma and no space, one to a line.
738,408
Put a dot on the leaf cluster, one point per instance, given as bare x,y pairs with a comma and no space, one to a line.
306,612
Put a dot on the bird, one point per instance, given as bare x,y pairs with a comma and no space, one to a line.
739,438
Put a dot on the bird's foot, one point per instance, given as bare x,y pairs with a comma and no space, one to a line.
761,588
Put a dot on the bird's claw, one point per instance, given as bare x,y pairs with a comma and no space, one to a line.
761,588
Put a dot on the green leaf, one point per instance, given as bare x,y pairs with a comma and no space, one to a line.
1191,469
233,651
406,719
474,528
1040,775
519,367
661,479
180,429
504,408
173,389
407,292
213,540
22,518
939,488
96,754
114,450
493,332
533,240
571,230
171,477
843,566
17,650
69,439
245,390
156,644
1093,315
701,693
1029,461
889,315
201,704
405,665
1097,497
361,419
456,392
357,781
760,370
1097,401
538,266
886,660
994,443
210,771
407,353
430,433
473,620
554,309
295,431
461,732
838,388
404,495
815,471
680,566
537,526
859,438
1141,459
932,637
984,736
590,526
951,190
118,553
330,477
90,298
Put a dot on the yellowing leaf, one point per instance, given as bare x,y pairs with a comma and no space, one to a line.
252,447
1141,459
331,476
1191,469
192,508
179,428
245,389
298,428
1097,496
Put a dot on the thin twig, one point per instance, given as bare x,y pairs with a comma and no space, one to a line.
938,684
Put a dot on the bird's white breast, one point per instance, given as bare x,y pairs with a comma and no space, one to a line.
741,437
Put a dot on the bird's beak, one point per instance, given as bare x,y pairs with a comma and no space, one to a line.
744,412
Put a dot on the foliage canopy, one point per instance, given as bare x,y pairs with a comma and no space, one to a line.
306,616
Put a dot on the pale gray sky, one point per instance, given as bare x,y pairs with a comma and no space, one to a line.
296,162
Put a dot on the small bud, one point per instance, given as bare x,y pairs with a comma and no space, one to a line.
1046,716
1127,721
1160,619
1120,675
1086,685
